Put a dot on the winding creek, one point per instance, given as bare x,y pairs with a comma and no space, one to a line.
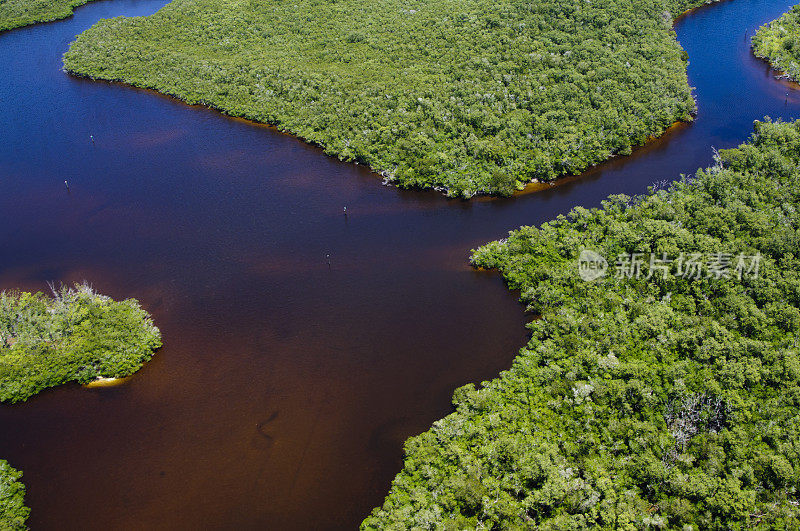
286,386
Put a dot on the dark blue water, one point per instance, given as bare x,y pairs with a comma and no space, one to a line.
286,385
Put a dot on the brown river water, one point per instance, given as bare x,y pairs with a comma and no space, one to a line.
286,386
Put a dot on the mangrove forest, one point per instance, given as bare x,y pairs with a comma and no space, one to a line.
779,43
75,335
469,97
657,395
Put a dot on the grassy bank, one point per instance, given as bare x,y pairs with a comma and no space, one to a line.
76,335
779,43
669,401
470,97
18,13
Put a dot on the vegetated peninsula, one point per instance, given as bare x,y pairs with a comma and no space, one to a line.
18,13
779,43
75,335
467,96
663,393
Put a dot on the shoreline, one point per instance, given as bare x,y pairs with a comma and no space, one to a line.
72,6
387,176
106,382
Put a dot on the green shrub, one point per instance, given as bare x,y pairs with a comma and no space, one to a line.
777,43
668,401
467,96
13,512
76,335
17,13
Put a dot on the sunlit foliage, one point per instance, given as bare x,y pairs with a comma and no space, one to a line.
638,403
76,335
779,43
13,512
468,96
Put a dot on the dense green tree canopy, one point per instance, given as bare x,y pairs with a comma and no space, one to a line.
76,335
17,13
471,96
13,512
668,401
779,43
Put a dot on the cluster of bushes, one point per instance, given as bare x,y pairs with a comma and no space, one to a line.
13,512
468,96
779,43
75,335
18,13
668,401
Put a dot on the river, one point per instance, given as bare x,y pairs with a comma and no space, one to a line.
286,385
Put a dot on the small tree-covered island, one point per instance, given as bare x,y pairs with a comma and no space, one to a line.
663,395
75,335
469,97
779,43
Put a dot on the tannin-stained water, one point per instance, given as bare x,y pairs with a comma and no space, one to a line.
286,386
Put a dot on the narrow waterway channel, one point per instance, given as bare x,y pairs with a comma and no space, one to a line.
286,385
